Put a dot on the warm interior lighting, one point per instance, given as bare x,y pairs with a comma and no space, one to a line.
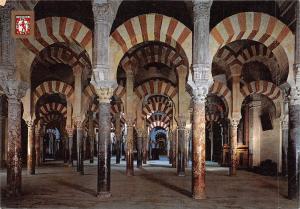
2,2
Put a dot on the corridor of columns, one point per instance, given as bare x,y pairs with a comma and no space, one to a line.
117,103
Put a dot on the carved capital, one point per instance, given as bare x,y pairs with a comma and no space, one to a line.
102,12
140,132
201,10
295,95
181,121
15,89
130,120
234,122
285,122
200,93
104,93
78,123
69,130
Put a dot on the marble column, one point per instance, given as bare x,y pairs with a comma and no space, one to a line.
170,137
91,136
31,148
139,147
118,137
14,91
198,169
181,151
104,143
233,146
79,140
285,135
37,144
2,142
129,147
174,147
70,145
145,146
202,79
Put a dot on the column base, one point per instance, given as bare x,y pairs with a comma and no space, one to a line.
9,193
199,196
181,174
103,195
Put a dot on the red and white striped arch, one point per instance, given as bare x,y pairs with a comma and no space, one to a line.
158,120
53,107
221,90
52,87
52,118
262,87
259,27
156,87
52,30
211,117
149,27
157,104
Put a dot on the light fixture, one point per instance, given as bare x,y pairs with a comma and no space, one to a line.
2,2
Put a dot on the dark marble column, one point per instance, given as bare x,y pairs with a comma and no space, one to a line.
2,144
118,138
31,148
14,91
91,137
79,138
174,148
37,145
70,145
129,148
233,146
285,136
145,147
294,151
181,147
139,148
170,137
104,153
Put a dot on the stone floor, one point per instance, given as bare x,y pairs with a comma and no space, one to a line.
155,186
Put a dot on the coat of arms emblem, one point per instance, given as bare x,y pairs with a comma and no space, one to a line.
22,24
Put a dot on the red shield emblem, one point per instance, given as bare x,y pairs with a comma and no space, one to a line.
23,25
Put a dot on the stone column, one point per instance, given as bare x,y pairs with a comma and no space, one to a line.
2,144
170,137
118,137
31,148
14,91
70,144
174,147
37,144
285,135
233,146
104,143
145,146
181,147
254,133
139,147
91,136
79,139
129,147
202,79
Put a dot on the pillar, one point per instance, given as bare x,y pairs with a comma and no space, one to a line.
170,138
181,151
38,144
79,139
70,145
285,136
31,148
14,91
139,147
91,136
145,146
118,137
202,79
104,143
233,146
129,147
254,133
174,148
2,139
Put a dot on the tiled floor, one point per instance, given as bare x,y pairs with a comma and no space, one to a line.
154,186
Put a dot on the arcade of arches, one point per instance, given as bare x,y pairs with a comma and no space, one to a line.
185,81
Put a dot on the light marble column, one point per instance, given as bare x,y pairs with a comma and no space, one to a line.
70,144
202,79
2,139
31,148
233,145
145,146
91,136
79,140
254,133
285,135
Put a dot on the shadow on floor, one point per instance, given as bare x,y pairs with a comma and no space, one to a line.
76,187
152,178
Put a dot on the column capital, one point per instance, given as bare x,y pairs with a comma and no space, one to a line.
130,120
69,130
140,132
201,9
181,121
234,122
104,94
295,96
102,12
200,93
15,89
285,122
78,123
